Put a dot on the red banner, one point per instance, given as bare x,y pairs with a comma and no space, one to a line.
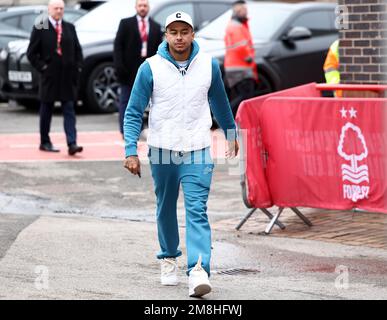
315,152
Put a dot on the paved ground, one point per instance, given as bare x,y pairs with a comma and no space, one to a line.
73,257
17,119
350,228
98,146
89,227
86,230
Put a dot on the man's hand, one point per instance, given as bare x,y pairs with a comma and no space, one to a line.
132,163
233,149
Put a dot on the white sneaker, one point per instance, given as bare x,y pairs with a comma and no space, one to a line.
198,282
169,272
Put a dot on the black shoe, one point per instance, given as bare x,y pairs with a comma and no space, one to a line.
73,149
48,147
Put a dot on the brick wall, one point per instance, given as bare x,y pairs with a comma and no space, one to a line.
363,54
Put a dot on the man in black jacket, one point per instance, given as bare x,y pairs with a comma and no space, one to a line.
54,50
137,38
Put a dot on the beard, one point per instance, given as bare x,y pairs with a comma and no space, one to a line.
241,19
143,13
181,50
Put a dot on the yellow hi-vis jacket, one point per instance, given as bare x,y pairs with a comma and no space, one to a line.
331,65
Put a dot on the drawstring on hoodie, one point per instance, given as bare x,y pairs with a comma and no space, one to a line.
164,53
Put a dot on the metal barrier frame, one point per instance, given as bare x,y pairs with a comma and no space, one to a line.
274,219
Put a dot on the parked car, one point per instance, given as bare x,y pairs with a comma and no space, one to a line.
16,22
291,41
8,34
99,90
24,17
89,4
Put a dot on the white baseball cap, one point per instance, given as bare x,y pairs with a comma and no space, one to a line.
179,16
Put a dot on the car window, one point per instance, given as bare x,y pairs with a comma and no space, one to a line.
210,11
72,16
161,15
12,21
27,21
265,21
106,17
318,22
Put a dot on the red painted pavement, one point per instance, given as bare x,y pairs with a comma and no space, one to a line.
98,146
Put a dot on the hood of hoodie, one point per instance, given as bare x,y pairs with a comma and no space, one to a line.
164,52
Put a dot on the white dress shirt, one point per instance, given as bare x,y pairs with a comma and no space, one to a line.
53,21
144,48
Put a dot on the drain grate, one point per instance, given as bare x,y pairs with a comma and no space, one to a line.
69,211
237,271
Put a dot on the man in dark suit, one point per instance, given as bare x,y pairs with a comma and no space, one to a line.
54,50
137,38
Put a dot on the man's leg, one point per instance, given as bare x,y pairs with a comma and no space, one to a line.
242,91
123,103
45,122
196,180
166,183
69,122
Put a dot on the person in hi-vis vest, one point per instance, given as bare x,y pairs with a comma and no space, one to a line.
331,66
239,61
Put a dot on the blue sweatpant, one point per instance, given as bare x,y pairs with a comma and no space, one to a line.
193,170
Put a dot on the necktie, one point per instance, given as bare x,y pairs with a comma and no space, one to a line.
144,38
144,35
58,29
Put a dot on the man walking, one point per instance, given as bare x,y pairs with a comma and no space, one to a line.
184,85
54,51
240,67
137,38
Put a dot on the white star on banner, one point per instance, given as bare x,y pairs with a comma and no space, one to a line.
352,112
343,112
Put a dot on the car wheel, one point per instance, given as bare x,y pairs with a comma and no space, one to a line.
102,89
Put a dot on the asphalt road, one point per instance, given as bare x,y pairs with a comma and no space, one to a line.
17,119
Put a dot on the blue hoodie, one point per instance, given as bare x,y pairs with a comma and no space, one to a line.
142,92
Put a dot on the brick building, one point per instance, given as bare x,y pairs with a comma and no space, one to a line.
363,41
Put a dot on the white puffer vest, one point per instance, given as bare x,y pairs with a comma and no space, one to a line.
180,117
